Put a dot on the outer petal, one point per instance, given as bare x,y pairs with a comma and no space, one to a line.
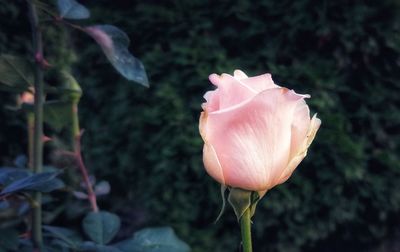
230,90
210,158
212,101
302,152
239,74
212,164
300,127
260,82
252,139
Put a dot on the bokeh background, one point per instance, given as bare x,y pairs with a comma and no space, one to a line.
345,196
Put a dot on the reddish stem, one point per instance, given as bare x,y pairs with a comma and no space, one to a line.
91,195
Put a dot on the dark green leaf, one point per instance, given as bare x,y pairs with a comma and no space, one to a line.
58,114
70,237
101,227
71,9
16,73
114,43
93,247
43,182
162,239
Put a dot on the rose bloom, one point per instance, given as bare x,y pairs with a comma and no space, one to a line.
255,132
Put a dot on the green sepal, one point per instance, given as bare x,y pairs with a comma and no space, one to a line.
223,189
241,200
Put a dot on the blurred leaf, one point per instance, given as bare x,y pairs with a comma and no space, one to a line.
71,9
101,227
9,175
58,114
21,161
71,90
80,195
16,73
114,43
102,188
162,239
8,239
70,237
42,182
93,247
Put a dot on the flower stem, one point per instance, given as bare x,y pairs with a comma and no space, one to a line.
38,122
77,134
245,228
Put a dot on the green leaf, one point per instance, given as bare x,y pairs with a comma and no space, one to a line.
70,88
42,182
114,43
16,73
101,227
93,247
71,9
58,114
162,239
8,239
68,236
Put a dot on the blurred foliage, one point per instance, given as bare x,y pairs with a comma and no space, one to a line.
346,54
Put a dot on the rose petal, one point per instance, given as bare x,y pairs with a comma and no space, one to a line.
212,164
230,90
239,74
252,138
302,152
260,83
300,127
212,99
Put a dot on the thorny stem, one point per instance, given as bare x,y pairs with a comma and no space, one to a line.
78,154
38,122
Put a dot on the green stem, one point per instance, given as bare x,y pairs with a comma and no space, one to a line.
78,154
38,124
245,228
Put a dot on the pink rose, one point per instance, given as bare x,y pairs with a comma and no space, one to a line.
255,132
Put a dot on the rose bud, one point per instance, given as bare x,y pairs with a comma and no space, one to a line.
255,132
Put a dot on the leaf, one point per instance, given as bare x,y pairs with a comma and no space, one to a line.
70,237
93,247
162,239
42,182
8,239
101,227
9,175
16,73
114,44
71,90
102,188
71,9
58,114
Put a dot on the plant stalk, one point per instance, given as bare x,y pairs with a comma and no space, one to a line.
78,154
245,228
38,122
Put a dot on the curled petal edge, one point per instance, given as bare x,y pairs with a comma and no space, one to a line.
312,131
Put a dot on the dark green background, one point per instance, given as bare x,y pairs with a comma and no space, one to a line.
345,196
